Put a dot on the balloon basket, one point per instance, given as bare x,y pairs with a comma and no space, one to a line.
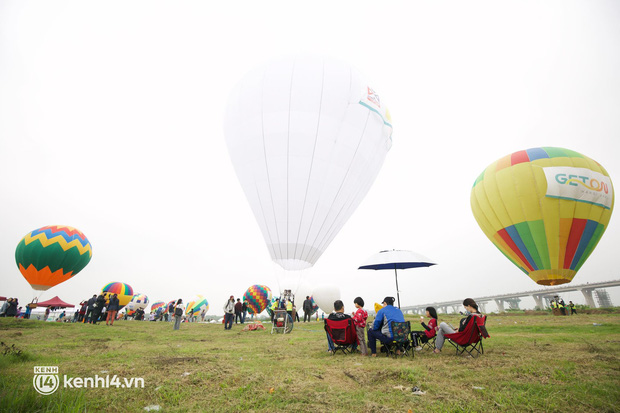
282,322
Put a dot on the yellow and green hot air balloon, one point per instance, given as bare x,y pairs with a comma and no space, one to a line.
545,209
50,255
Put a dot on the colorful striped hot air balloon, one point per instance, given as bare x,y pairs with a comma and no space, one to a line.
138,301
257,296
545,209
156,305
50,255
123,292
197,304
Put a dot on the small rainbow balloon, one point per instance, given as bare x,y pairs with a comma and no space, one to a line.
156,305
123,292
257,296
197,304
50,255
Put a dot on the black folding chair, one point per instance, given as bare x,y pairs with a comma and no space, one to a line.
401,345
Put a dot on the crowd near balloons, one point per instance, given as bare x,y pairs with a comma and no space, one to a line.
307,137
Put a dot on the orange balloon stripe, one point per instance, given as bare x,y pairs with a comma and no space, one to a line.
44,277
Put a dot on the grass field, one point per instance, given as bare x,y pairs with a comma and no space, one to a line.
536,363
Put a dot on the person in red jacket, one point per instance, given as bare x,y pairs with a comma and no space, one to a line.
430,330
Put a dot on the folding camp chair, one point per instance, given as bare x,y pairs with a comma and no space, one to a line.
343,335
429,344
401,343
470,339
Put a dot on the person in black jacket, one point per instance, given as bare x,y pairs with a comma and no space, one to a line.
90,306
11,310
307,307
98,307
238,311
112,309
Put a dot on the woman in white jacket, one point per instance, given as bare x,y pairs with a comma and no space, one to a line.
229,313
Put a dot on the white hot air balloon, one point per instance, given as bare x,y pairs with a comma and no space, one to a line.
307,137
325,295
138,301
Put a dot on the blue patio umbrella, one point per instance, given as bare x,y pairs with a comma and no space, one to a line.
396,260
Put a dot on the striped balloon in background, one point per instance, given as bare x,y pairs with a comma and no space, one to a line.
174,304
197,304
123,292
545,209
138,301
156,305
257,296
50,255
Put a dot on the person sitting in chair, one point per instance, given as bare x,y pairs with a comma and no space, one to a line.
471,308
382,327
337,315
430,330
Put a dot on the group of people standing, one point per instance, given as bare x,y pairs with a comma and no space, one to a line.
10,308
235,311
97,309
557,305
381,329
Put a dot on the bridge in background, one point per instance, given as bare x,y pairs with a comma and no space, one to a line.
541,297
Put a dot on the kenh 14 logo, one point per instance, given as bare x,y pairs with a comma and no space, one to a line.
46,380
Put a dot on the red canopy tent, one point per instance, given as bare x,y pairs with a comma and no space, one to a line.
54,302
2,298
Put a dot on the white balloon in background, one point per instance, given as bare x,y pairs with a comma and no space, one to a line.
325,295
138,301
307,137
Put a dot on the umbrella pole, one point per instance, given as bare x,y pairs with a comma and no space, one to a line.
397,293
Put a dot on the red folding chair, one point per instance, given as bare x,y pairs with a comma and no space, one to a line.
470,339
343,334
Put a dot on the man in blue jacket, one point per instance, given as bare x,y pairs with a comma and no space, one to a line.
382,327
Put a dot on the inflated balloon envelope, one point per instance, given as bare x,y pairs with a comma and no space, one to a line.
123,292
307,138
545,209
51,255
138,301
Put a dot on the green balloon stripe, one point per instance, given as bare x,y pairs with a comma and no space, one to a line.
52,256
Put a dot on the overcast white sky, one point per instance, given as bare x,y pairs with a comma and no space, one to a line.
111,121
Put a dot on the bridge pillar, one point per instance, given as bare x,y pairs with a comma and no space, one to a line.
587,293
483,307
455,309
513,303
444,309
500,305
539,301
